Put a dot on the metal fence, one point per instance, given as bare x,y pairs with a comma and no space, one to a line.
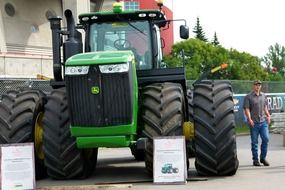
20,84
239,87
245,86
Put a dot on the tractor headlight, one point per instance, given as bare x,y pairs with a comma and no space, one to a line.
76,70
115,68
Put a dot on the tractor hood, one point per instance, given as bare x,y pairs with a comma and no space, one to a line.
95,58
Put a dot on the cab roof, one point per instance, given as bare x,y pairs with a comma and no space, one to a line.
143,15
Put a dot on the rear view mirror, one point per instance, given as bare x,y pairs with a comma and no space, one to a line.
184,32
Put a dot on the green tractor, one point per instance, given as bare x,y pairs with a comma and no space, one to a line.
169,169
116,91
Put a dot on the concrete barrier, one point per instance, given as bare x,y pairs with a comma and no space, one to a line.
278,123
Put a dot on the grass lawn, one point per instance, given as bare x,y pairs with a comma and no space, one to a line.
242,129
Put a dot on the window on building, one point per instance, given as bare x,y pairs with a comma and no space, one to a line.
132,5
10,9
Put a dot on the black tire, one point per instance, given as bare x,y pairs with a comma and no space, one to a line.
9,97
18,116
190,144
162,113
215,139
62,157
138,154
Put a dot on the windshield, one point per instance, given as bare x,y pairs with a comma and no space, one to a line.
134,36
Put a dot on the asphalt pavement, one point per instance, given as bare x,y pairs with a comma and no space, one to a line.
117,169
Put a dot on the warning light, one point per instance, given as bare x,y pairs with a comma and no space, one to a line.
118,7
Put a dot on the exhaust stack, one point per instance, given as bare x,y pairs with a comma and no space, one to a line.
73,44
56,30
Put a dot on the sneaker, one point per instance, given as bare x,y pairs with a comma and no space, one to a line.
256,163
264,162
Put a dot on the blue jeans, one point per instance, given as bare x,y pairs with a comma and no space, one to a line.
262,130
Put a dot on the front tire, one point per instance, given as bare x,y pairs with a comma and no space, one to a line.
215,139
162,113
19,116
62,157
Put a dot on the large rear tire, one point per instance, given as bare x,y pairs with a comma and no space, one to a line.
162,113
215,139
62,157
19,116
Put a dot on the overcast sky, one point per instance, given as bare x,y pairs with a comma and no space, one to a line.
246,25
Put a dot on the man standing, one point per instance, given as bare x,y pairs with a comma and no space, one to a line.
258,118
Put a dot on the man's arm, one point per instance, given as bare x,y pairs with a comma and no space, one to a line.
246,106
248,116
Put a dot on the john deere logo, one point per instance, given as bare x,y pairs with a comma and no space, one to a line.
95,90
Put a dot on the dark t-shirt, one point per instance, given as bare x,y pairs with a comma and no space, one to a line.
256,105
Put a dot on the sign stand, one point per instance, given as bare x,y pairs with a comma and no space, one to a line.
169,160
17,166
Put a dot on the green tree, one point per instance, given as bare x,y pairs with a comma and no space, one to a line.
199,33
246,67
215,40
201,56
275,58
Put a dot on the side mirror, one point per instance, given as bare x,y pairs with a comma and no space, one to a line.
184,32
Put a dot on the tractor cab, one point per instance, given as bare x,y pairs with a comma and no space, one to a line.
137,31
115,36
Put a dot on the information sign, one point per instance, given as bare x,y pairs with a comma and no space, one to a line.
169,164
17,166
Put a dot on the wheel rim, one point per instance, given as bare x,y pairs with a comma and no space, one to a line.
188,130
39,136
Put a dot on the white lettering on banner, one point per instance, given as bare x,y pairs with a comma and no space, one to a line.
274,103
236,105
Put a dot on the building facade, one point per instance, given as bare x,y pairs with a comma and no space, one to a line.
25,36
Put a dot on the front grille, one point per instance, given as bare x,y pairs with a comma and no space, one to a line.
112,106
